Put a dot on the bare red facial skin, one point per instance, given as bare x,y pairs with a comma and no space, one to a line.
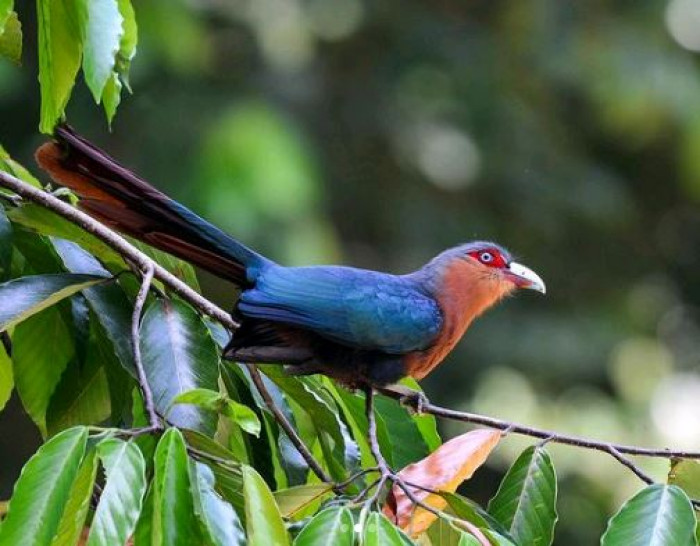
490,257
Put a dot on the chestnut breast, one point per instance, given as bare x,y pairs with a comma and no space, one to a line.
465,290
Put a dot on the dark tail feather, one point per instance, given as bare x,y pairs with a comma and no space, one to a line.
117,197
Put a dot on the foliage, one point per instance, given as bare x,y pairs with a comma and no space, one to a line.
223,472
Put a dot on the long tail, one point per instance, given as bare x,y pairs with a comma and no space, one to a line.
117,197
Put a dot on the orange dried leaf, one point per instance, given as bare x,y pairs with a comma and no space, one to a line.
443,470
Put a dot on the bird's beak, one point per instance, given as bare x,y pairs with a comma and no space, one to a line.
524,277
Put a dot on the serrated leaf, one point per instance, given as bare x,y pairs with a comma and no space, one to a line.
101,29
443,470
42,490
293,500
60,51
658,515
11,39
264,523
21,298
179,355
525,502
125,485
7,381
38,365
211,400
76,509
330,526
173,521
379,531
219,521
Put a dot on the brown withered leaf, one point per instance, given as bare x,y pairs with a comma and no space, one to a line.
443,470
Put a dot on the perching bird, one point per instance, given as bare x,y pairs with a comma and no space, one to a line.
363,328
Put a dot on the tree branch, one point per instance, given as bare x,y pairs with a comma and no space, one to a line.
118,243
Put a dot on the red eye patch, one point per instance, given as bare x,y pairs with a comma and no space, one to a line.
490,257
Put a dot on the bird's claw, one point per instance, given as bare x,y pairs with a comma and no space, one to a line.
416,401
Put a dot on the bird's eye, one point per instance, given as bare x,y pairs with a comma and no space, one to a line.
486,257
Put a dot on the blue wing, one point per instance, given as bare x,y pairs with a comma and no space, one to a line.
359,308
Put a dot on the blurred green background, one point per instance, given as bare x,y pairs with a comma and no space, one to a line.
377,133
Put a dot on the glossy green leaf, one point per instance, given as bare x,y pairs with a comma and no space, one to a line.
76,509
445,533
297,499
525,502
11,39
111,96
179,355
5,245
219,522
128,42
42,490
211,400
379,531
59,57
11,166
7,381
125,485
340,449
82,395
330,526
470,511
180,268
38,365
101,29
173,510
264,523
426,423
658,515
229,479
45,222
143,535
26,296
109,302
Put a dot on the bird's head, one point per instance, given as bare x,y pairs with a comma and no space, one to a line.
495,263
485,267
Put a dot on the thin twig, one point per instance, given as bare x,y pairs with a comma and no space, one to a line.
118,243
286,425
146,279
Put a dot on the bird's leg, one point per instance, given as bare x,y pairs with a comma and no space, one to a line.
415,400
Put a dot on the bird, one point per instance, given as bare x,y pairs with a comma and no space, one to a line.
362,328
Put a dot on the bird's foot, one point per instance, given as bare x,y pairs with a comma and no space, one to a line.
415,401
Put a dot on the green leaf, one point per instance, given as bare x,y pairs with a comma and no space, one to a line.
76,510
218,520
179,355
685,473
44,221
339,448
525,502
5,246
658,515
379,531
330,526
26,296
101,29
82,395
59,57
263,520
211,400
120,503
7,381
9,165
293,500
173,509
111,96
400,438
38,365
43,488
426,423
127,45
11,39
470,511
143,535
180,268
109,302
